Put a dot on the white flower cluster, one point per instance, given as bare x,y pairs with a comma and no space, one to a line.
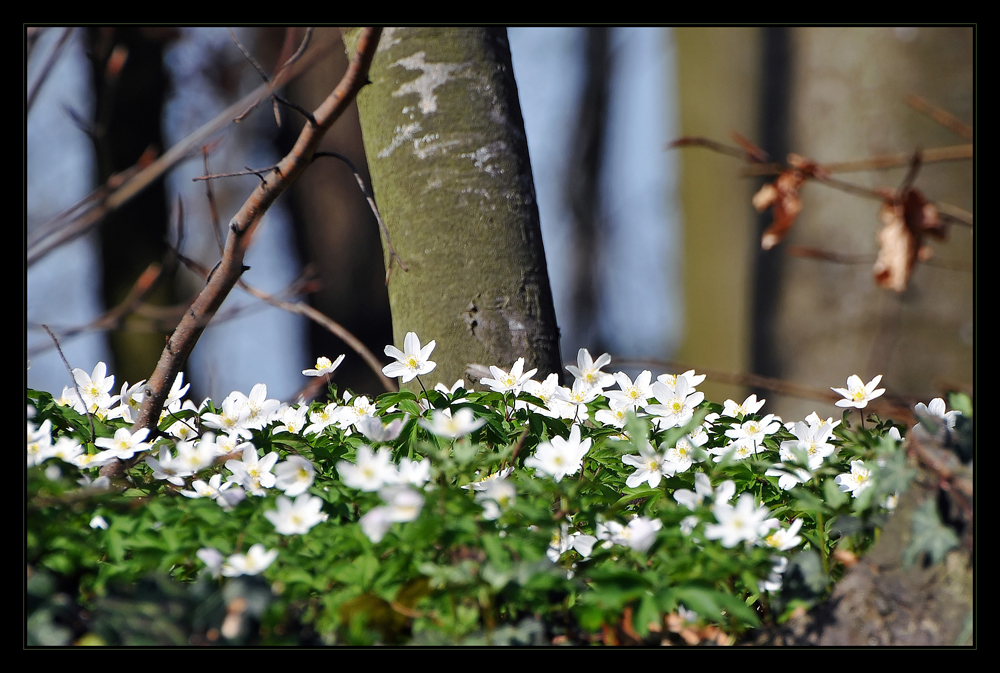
201,436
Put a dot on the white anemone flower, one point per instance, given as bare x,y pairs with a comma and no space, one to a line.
512,381
649,466
750,406
676,403
372,428
783,539
402,504
374,469
639,534
452,425
670,380
635,393
858,393
743,523
95,388
298,517
256,561
294,476
560,457
124,445
495,495
324,366
855,481
411,361
253,473
589,371
702,490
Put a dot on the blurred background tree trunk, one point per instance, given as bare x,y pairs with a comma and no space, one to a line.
829,94
448,158
130,88
719,91
832,95
847,92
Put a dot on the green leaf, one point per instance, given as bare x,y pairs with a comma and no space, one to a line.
834,496
929,536
961,402
646,613
637,430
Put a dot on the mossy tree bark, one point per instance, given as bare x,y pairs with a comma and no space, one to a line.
449,164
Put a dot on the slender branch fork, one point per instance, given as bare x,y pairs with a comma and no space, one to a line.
241,231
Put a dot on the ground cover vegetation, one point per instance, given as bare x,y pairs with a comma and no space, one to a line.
612,510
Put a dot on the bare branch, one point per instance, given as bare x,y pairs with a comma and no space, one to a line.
248,171
933,155
213,209
304,309
942,117
249,57
47,68
241,231
90,212
113,317
712,145
301,50
72,377
275,99
370,197
821,172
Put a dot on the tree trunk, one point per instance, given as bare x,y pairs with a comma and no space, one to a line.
449,163
829,320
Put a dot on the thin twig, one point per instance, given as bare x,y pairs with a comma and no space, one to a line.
828,256
947,212
248,171
298,108
92,211
519,445
942,117
213,210
263,76
933,155
241,232
76,387
712,145
861,258
249,57
303,309
113,317
294,57
370,197
47,68
301,50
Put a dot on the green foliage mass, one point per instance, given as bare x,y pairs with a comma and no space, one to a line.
451,575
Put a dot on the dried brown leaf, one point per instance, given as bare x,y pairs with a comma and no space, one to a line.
785,203
783,197
905,221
